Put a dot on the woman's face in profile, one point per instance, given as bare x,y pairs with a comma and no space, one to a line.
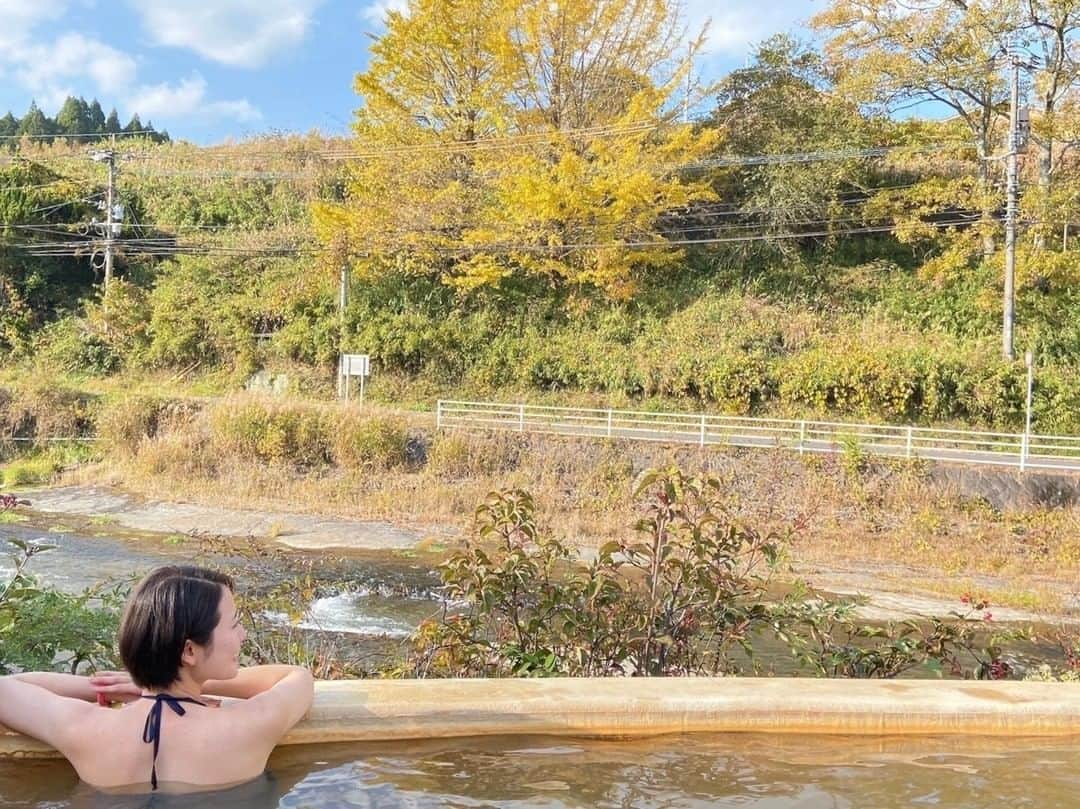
221,659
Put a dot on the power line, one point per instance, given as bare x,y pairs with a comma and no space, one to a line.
814,157
66,249
698,165
694,217
102,135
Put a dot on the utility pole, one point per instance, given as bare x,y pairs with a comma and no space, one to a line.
343,296
108,157
1012,189
343,303
110,202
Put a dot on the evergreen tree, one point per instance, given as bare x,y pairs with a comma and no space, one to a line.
34,122
154,135
96,117
134,125
9,125
112,123
74,117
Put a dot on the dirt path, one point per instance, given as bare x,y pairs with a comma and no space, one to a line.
293,530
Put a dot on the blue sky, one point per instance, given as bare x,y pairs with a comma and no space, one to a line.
207,70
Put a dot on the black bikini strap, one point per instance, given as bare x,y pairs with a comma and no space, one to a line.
152,728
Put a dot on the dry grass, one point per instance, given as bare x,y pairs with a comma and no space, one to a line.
887,515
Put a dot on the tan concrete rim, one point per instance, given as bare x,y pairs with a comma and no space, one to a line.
381,710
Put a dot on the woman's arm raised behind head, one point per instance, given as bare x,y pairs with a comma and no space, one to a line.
275,699
251,681
36,710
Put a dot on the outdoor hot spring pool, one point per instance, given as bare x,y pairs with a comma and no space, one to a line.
733,770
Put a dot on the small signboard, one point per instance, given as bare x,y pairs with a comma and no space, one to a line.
353,365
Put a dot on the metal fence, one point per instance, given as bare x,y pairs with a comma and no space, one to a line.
1024,451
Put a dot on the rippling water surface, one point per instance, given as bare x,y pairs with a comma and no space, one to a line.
734,770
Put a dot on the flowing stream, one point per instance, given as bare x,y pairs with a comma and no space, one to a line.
386,595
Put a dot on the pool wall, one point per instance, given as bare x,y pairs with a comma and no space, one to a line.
379,710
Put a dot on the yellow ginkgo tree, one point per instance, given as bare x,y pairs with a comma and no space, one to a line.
503,139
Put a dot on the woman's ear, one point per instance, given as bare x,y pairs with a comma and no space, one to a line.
188,657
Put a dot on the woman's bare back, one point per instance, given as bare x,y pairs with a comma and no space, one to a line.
206,747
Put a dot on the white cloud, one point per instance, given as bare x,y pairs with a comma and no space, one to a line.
42,67
185,101
241,33
20,16
48,69
738,25
375,13
51,69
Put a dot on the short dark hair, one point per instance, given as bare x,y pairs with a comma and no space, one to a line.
170,606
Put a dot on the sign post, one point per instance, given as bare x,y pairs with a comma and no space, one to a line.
1025,444
354,365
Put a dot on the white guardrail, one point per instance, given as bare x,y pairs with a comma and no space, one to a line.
1057,452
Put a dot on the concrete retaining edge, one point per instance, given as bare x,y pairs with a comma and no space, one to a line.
380,710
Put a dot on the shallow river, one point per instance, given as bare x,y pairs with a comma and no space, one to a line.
388,596
767,772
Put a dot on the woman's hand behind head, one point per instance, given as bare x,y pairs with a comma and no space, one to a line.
115,686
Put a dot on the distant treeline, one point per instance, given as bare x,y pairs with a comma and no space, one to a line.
76,117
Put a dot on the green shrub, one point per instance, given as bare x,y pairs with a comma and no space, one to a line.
851,378
1056,401
370,442
42,628
71,346
456,455
687,593
738,383
29,471
275,432
124,423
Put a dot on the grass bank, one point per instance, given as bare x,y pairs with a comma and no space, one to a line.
888,519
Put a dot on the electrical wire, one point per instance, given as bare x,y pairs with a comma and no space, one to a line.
67,249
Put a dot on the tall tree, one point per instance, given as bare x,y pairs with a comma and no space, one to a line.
35,123
785,103
74,117
1047,39
112,123
493,153
578,63
895,55
1048,31
97,117
9,125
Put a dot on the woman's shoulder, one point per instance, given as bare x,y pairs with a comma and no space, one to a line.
273,711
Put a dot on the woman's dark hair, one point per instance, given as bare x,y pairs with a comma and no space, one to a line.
172,605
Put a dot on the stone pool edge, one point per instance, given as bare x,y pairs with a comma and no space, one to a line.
384,710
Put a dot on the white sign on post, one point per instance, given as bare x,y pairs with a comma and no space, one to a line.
354,365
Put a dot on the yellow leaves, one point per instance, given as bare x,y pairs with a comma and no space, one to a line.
476,271
530,139
1046,267
952,263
